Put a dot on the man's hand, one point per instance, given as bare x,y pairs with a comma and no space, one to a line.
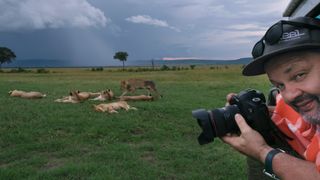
249,142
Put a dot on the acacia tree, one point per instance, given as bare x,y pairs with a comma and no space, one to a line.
122,56
6,55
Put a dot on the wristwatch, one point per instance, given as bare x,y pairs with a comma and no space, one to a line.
268,163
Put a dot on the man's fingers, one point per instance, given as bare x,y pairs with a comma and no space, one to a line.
243,126
230,139
229,96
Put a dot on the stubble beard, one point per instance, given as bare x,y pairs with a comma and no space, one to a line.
312,117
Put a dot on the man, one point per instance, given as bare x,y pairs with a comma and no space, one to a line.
289,53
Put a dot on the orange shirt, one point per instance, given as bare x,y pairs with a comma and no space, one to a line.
305,137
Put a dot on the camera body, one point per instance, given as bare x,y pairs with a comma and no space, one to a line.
250,103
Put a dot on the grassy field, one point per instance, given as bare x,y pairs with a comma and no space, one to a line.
41,139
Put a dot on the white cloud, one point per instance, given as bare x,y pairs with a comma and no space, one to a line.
145,19
231,37
264,8
201,10
241,1
34,14
247,26
180,58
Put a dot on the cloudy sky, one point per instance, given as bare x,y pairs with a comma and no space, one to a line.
89,32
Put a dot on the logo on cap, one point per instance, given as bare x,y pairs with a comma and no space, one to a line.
292,35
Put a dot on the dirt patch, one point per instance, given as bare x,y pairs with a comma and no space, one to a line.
149,157
137,131
53,163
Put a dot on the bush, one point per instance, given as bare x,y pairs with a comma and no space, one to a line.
164,68
97,69
19,70
192,66
42,70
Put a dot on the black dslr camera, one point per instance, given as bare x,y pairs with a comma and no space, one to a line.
250,103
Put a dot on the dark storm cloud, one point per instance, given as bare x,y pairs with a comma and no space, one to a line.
33,14
91,31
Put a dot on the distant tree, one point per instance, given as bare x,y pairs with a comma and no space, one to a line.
192,66
6,55
164,68
122,56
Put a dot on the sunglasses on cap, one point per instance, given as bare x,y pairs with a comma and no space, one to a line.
274,33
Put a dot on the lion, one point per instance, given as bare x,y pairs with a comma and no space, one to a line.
137,98
72,98
104,95
67,99
113,107
82,96
131,85
26,95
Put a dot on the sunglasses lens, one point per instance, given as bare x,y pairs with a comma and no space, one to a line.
258,49
274,34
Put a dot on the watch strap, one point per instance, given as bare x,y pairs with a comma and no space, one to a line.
268,163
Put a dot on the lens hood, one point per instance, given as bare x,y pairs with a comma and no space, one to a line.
203,118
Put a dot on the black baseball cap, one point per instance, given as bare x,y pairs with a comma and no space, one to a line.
284,36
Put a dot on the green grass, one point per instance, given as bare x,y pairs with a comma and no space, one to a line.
41,139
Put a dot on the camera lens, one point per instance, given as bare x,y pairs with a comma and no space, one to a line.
223,119
204,120
215,123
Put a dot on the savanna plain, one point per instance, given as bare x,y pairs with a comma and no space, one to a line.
43,139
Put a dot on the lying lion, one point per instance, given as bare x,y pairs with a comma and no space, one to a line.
68,99
82,96
137,98
77,96
104,95
72,98
131,85
26,95
112,107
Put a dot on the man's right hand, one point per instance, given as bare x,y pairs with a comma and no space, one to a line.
249,142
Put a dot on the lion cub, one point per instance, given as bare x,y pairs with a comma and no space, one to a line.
113,107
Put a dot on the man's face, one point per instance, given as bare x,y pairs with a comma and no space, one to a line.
298,78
